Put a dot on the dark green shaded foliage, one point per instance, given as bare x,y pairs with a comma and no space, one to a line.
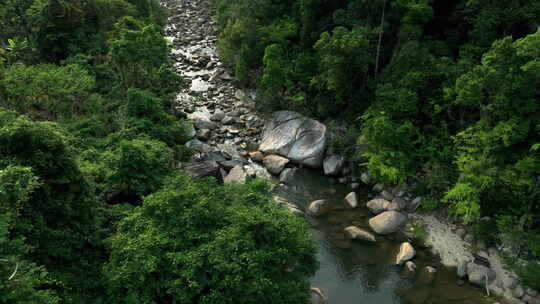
195,242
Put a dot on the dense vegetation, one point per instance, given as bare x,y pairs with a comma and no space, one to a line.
445,94
92,209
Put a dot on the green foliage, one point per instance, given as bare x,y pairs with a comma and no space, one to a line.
138,53
345,58
194,242
138,166
22,281
47,91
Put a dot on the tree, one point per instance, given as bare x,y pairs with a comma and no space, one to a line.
344,61
137,168
48,91
196,242
498,154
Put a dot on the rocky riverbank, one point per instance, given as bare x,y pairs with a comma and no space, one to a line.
233,142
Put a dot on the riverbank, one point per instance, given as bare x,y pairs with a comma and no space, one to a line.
228,130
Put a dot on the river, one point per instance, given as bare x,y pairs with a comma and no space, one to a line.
362,273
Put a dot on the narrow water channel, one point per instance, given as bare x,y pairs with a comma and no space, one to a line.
362,273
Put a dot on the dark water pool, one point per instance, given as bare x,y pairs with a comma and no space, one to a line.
360,272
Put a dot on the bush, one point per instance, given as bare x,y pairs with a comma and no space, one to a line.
196,242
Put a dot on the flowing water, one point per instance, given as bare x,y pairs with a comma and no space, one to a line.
362,273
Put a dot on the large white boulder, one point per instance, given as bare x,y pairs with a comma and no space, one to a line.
387,222
298,138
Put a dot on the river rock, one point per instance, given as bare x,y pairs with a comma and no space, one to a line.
387,222
387,195
217,116
300,139
509,282
204,169
205,124
355,233
198,145
351,200
333,164
406,253
377,205
415,204
365,178
198,85
204,134
427,275
518,292
275,163
228,120
477,274
318,207
317,296
410,266
237,175
256,156
287,175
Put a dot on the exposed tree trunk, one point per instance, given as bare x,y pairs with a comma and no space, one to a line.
381,30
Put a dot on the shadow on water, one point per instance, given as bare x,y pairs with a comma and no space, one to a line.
360,272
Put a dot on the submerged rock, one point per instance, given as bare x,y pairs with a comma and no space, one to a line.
355,233
387,222
318,207
300,139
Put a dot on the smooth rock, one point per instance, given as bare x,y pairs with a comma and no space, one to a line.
387,222
198,145
355,233
205,124
198,85
509,282
387,195
406,253
204,134
365,178
518,292
318,207
393,207
378,187
256,156
415,204
477,274
401,203
204,169
287,175
300,139
275,163
237,175
317,296
217,116
228,120
351,200
377,205
333,164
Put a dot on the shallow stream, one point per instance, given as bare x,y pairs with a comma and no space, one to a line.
362,273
